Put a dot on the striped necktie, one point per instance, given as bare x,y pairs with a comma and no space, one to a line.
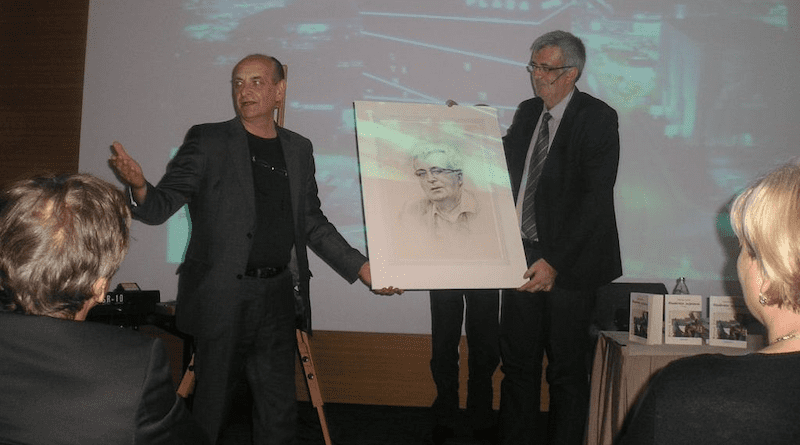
534,172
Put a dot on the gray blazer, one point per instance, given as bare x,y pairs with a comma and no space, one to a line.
212,174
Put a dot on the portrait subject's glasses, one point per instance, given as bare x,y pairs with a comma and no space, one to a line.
532,68
434,171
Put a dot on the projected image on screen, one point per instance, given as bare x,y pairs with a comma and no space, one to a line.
703,90
179,227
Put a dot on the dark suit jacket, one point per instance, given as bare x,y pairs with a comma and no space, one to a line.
575,216
212,173
69,382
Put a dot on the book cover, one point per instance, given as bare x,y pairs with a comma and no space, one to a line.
683,320
728,321
646,324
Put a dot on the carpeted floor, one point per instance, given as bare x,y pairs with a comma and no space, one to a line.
350,424
373,425
364,425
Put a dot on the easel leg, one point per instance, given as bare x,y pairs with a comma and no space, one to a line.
304,348
186,386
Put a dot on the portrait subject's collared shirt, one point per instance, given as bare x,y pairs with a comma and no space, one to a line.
468,231
454,222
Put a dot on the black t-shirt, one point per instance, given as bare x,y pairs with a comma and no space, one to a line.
274,234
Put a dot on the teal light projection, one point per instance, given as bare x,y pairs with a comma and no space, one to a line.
179,228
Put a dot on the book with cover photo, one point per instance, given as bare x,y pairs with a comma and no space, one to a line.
683,320
646,318
728,317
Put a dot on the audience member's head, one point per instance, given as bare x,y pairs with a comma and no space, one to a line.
62,238
766,219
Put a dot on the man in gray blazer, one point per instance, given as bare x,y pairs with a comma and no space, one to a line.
64,380
254,208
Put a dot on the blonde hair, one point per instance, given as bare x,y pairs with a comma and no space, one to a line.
766,219
58,236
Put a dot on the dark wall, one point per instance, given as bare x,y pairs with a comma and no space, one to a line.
42,53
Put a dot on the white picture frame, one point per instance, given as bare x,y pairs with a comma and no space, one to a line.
408,246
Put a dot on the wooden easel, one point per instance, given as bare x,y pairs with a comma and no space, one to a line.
186,387
304,348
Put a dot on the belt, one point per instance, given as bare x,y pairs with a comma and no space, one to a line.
264,272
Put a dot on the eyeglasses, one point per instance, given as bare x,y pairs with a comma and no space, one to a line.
435,172
532,67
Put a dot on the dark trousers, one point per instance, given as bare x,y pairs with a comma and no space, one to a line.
555,323
482,329
260,346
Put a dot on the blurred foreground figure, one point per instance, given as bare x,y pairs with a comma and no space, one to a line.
61,241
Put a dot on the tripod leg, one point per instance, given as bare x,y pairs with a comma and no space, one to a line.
304,348
186,386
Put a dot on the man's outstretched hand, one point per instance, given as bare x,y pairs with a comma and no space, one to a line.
128,171
366,277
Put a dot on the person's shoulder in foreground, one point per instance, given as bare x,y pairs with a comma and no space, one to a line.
86,383
718,399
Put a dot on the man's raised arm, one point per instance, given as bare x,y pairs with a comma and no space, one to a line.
129,172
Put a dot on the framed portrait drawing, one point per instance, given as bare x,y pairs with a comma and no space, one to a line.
437,197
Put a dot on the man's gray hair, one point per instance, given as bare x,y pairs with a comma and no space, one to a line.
58,236
450,150
572,48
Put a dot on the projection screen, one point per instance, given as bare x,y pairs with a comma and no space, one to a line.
704,92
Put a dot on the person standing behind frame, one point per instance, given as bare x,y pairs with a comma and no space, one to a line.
63,380
482,328
450,219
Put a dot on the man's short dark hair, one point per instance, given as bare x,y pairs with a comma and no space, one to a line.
277,66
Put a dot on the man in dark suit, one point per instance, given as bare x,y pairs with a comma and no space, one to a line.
64,381
563,182
254,208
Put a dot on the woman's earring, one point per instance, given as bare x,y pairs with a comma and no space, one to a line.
762,299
